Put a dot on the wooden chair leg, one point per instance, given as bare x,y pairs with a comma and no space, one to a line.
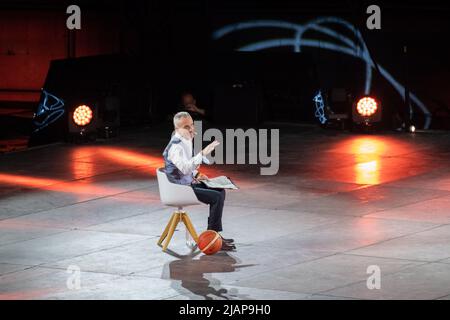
164,234
172,227
189,226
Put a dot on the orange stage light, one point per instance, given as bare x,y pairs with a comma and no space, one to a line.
367,106
82,115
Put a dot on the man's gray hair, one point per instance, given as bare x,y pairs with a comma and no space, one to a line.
178,116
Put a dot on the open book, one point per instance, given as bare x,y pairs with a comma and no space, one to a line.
220,182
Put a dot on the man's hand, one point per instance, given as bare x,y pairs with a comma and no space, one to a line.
210,147
185,133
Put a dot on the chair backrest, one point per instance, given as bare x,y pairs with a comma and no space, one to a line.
173,194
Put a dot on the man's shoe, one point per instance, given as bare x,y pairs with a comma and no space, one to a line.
227,247
227,240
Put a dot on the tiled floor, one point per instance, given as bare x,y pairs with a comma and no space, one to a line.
338,205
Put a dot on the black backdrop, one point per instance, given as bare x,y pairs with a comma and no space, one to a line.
192,59
176,52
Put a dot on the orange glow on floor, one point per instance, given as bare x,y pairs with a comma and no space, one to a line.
86,169
131,158
367,151
372,145
83,167
82,163
367,146
368,172
369,160
77,187
27,181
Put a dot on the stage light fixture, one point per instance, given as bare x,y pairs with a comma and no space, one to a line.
82,120
366,110
82,115
367,106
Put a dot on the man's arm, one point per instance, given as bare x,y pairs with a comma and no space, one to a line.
183,164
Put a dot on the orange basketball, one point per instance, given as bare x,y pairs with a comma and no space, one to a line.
209,242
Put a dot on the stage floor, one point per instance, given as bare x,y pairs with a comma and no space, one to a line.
340,204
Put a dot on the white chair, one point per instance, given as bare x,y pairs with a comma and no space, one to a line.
175,195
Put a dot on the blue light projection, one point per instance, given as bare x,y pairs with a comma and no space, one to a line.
49,110
320,108
356,48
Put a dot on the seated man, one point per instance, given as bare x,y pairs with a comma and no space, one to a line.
182,167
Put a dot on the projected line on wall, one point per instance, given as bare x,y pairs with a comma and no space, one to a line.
320,108
50,109
357,49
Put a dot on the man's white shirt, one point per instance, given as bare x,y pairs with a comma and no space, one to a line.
181,156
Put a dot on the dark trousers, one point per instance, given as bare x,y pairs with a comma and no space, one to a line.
215,198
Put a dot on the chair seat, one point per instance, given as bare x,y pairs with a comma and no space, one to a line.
175,195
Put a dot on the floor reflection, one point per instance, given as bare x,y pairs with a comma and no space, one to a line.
367,160
368,172
195,275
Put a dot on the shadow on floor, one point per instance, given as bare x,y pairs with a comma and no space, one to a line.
193,275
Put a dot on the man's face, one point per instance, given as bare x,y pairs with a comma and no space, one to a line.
186,128
188,99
